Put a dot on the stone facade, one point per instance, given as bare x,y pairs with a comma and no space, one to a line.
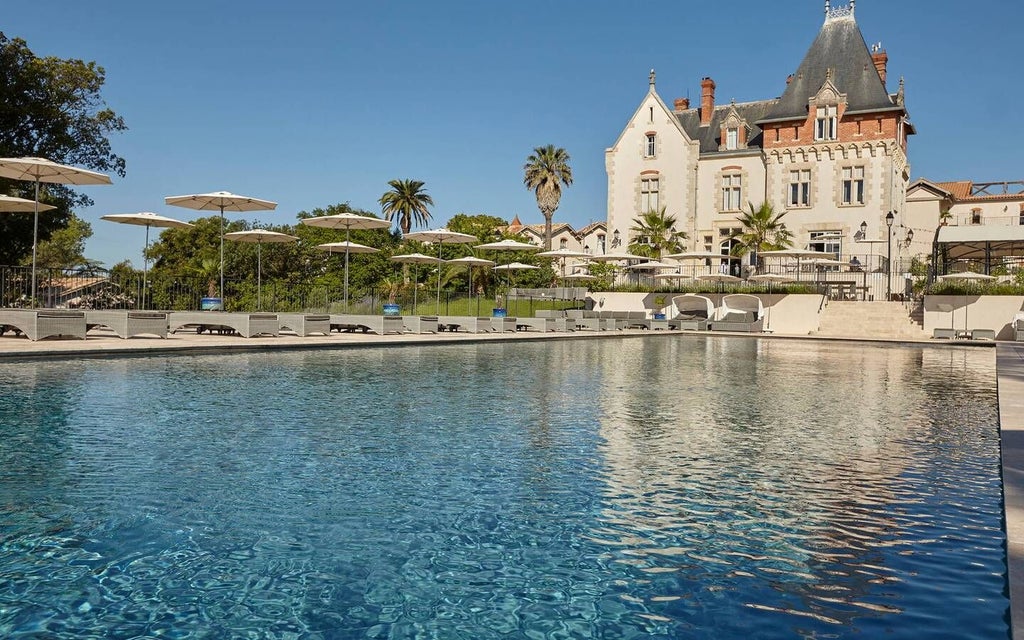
831,152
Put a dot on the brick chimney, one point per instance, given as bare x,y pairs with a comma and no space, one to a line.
681,104
880,58
707,101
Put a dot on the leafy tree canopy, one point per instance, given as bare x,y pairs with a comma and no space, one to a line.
50,108
486,228
66,247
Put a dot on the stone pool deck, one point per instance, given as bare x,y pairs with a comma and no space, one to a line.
1009,374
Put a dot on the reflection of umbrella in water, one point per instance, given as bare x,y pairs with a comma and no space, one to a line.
416,259
346,248
259,236
42,170
473,261
221,201
146,219
440,236
965,276
348,222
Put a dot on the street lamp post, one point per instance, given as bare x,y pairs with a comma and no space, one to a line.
889,218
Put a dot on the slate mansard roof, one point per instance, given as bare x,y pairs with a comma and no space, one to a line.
840,47
710,136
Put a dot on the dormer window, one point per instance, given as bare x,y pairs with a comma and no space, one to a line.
732,138
650,147
826,123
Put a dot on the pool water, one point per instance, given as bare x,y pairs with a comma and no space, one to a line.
657,487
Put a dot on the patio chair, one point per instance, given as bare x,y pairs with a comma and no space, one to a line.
693,312
943,333
739,312
469,324
421,324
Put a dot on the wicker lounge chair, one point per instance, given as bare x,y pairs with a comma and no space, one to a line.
739,312
692,312
246,325
37,324
470,324
420,324
543,325
127,324
350,323
305,324
944,333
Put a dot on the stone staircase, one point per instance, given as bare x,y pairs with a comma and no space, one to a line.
892,320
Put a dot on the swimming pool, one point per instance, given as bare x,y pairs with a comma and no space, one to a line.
658,487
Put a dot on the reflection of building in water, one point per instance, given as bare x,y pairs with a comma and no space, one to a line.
772,460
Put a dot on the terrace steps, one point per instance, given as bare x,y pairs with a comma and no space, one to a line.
871,320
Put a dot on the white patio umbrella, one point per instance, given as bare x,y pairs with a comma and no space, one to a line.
652,265
615,256
720,278
439,237
508,245
346,248
260,236
416,259
146,219
220,201
42,170
799,254
348,222
514,266
966,276
473,261
10,204
562,255
770,278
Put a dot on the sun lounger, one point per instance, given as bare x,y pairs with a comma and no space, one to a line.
37,324
127,324
380,325
692,312
739,312
470,324
246,325
944,333
420,324
983,334
504,324
305,324
543,325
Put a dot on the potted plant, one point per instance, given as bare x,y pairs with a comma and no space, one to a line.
390,288
499,310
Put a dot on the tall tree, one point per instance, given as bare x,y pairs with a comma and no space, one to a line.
546,171
655,234
66,247
50,108
407,200
763,230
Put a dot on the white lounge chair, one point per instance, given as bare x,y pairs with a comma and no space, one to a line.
739,312
305,324
693,312
470,324
246,325
37,324
348,323
420,324
127,324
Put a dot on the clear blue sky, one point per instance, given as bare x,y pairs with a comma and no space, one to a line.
316,103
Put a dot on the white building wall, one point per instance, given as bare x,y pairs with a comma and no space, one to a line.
673,164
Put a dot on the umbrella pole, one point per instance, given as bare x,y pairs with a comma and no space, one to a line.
145,270
347,234
35,241
415,286
222,305
259,276
437,307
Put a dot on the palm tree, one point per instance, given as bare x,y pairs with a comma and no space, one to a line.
655,234
407,200
546,170
763,230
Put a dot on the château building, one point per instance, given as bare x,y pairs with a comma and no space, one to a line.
831,152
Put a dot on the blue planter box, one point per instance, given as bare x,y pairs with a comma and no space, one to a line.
499,313
659,316
391,309
211,304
